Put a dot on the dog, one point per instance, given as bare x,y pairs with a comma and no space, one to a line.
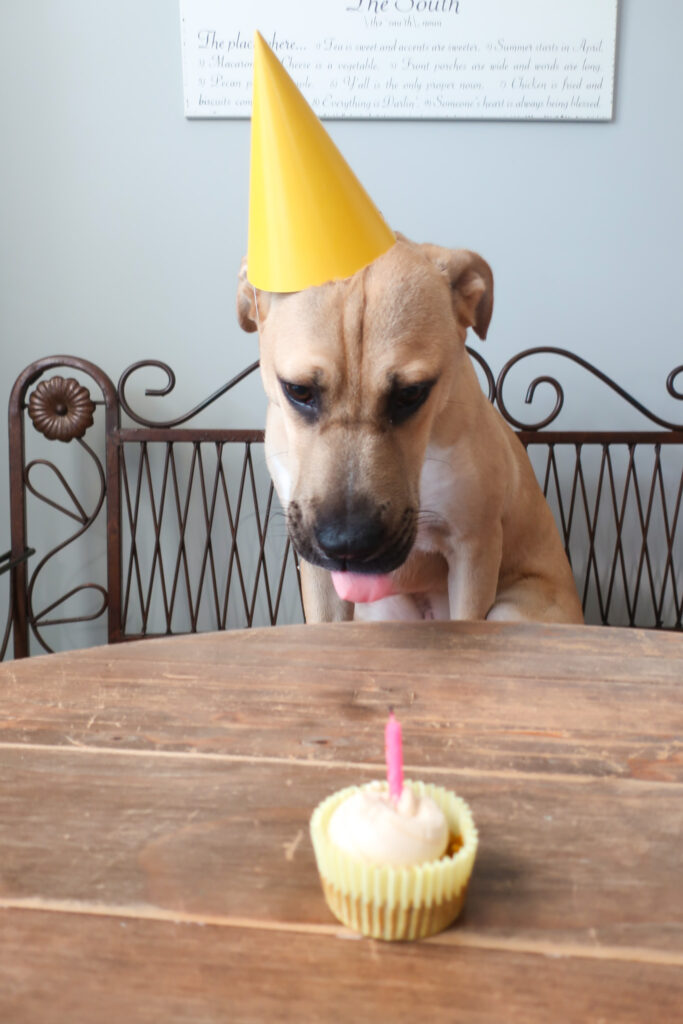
407,495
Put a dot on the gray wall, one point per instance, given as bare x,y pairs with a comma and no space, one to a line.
122,224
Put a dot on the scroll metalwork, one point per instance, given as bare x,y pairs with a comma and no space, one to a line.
39,618
559,391
167,388
61,409
488,373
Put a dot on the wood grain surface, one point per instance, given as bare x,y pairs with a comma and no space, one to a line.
154,802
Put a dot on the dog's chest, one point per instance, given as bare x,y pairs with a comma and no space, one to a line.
438,497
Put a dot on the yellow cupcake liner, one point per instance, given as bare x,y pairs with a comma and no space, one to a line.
396,903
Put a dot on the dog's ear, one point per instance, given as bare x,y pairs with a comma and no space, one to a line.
471,281
248,314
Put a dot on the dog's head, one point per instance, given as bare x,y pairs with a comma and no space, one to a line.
359,374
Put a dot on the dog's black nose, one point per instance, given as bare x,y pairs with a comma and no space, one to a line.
355,536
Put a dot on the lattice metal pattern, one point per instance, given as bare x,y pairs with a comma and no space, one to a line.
618,508
204,543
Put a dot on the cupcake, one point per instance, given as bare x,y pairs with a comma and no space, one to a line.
394,857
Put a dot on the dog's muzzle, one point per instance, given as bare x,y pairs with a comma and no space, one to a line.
355,539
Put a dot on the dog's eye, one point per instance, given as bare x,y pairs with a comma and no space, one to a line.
304,396
404,401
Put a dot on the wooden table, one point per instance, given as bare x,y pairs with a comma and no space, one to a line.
155,863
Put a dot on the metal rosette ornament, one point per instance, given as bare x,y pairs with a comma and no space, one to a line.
61,409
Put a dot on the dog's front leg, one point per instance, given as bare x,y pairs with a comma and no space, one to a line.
473,568
321,602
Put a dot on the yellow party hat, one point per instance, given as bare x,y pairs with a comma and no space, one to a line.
310,219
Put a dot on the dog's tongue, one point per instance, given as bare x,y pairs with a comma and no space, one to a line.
360,588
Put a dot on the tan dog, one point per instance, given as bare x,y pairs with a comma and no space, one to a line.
406,493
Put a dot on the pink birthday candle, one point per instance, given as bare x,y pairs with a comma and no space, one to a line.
393,747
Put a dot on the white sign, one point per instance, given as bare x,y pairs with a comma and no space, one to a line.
440,59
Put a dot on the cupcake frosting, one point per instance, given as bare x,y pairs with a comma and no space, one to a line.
371,827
